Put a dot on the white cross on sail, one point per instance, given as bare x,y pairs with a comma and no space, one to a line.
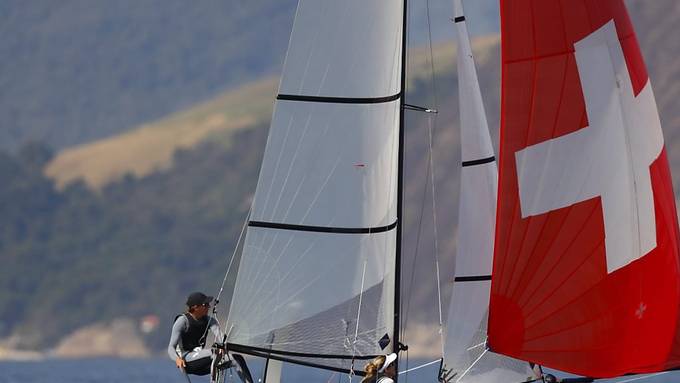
609,159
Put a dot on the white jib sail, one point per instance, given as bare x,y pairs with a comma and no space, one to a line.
316,278
465,353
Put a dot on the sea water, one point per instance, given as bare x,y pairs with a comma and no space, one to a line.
163,371
106,370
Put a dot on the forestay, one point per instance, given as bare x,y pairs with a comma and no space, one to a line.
465,354
316,280
585,274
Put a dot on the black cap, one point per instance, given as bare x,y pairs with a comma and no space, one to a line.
198,298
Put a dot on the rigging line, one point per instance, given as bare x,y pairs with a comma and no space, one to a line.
420,366
436,241
643,377
416,250
432,69
477,345
423,200
233,255
431,123
407,364
472,365
231,262
356,329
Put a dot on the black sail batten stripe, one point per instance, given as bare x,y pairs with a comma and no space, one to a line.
323,229
459,19
479,161
249,349
300,362
338,100
472,278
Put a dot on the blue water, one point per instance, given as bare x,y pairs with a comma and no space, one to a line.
163,370
157,370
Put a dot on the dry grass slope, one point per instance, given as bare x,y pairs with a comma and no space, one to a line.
150,147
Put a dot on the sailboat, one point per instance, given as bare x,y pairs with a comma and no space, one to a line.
318,280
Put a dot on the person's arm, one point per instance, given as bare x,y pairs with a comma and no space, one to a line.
177,328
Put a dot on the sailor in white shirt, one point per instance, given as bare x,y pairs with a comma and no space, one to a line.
381,369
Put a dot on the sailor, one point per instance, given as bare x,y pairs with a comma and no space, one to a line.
189,332
381,369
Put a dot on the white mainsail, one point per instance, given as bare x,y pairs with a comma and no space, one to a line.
273,371
316,281
465,352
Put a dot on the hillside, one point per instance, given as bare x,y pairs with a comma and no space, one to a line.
75,257
171,196
150,148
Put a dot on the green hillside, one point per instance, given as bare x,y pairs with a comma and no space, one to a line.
75,256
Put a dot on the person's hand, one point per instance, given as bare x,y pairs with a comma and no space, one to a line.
180,363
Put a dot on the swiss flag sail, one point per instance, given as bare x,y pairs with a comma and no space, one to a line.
586,274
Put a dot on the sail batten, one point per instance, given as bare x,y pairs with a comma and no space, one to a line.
338,100
324,229
472,278
480,161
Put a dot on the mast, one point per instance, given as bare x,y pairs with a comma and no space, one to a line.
400,191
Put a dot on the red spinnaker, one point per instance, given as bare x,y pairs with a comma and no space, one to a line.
554,300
